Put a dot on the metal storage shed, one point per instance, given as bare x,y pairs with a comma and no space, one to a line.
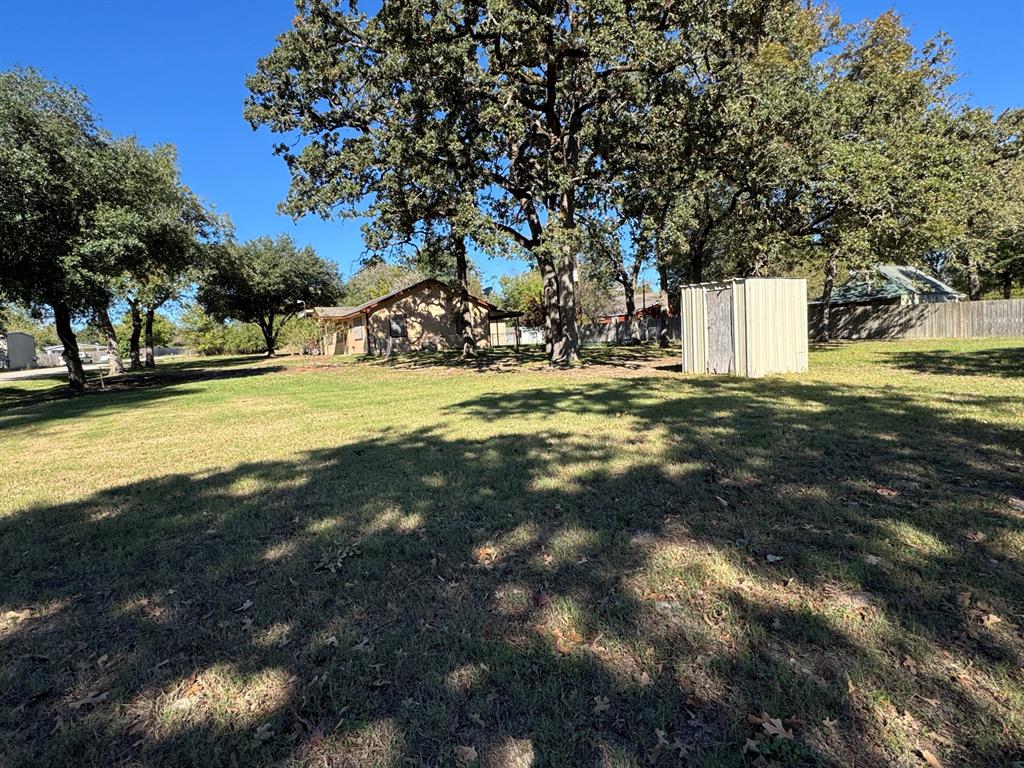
746,326
20,350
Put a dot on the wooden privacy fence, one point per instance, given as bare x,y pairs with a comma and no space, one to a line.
952,320
614,331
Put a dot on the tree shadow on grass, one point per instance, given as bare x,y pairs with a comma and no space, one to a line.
536,594
508,360
1000,361
30,406
496,360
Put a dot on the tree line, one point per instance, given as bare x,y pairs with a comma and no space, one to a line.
701,139
90,222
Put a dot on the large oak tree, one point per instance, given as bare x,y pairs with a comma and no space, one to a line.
522,93
55,169
265,281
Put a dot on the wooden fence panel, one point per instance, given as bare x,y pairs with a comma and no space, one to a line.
614,331
953,320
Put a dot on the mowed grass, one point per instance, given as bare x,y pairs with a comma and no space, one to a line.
424,562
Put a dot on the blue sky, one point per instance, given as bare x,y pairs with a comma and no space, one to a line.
174,72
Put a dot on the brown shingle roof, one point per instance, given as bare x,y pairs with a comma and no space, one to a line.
333,312
340,313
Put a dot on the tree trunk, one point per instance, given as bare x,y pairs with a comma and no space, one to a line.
696,246
113,355
269,337
973,279
150,360
663,314
133,341
824,309
630,291
552,320
465,324
566,349
72,358
1007,278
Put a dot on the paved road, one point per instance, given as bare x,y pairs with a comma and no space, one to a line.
37,373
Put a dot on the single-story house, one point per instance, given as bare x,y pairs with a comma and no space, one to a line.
646,303
609,326
887,284
421,317
89,353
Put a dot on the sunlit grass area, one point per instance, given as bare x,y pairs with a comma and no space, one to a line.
429,562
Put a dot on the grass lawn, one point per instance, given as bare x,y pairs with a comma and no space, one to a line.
327,562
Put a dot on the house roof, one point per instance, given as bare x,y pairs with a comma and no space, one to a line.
888,281
340,313
333,312
641,300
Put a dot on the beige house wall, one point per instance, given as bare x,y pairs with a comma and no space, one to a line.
344,337
355,342
430,322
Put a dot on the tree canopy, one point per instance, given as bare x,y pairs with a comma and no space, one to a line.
88,221
704,139
265,281
55,170
522,101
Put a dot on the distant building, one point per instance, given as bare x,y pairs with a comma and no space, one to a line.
420,317
887,284
646,303
89,353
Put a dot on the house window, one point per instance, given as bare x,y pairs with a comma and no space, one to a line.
398,329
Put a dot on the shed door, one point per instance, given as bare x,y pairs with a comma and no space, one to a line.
720,351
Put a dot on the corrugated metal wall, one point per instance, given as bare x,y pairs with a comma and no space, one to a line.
775,316
694,333
769,322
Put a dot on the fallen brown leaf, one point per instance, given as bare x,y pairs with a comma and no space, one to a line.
601,704
773,727
930,759
485,556
566,642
